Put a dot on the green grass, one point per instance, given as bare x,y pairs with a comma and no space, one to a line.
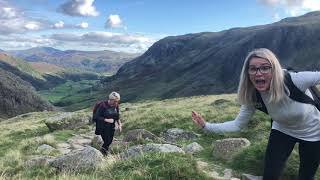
155,116
156,166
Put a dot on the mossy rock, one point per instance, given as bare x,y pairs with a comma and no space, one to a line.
68,121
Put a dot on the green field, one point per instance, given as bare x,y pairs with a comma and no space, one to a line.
71,96
156,116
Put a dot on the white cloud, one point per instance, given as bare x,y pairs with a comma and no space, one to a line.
8,12
32,26
105,40
292,7
59,24
100,40
114,21
79,8
83,25
13,20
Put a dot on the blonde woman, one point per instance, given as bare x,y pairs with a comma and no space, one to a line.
107,119
293,122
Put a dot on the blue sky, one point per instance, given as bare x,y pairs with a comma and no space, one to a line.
130,25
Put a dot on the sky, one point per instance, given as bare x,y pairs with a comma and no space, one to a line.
130,25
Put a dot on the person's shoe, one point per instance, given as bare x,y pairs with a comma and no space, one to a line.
104,151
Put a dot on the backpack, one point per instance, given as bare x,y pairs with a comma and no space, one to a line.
95,108
295,94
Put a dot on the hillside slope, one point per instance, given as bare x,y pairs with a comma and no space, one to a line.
211,62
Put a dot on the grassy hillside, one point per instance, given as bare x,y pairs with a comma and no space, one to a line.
156,116
21,65
44,67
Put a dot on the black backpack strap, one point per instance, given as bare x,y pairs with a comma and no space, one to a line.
295,93
260,105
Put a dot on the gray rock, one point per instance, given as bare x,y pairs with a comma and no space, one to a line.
250,177
193,148
139,134
226,148
85,159
64,148
175,134
79,142
147,148
37,161
45,149
97,141
67,121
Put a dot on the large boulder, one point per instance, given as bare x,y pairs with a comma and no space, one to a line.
147,148
67,121
175,134
193,148
85,159
37,161
137,135
226,148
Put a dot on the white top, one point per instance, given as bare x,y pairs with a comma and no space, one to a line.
293,118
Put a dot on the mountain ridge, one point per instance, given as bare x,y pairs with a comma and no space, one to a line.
211,62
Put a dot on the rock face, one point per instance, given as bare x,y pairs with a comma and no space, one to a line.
85,159
67,121
139,134
147,148
175,134
226,148
193,148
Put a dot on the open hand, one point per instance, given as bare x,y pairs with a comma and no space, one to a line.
198,119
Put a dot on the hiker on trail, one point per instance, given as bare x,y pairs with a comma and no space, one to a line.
264,85
107,119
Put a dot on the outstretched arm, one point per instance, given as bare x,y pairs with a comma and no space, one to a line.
241,121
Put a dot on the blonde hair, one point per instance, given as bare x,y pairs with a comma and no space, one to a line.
246,90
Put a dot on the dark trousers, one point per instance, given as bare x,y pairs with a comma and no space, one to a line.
107,136
279,148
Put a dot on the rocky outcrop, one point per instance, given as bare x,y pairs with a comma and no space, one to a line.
68,121
75,161
139,135
147,148
193,148
175,134
226,148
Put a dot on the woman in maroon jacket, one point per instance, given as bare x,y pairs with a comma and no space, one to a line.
107,118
